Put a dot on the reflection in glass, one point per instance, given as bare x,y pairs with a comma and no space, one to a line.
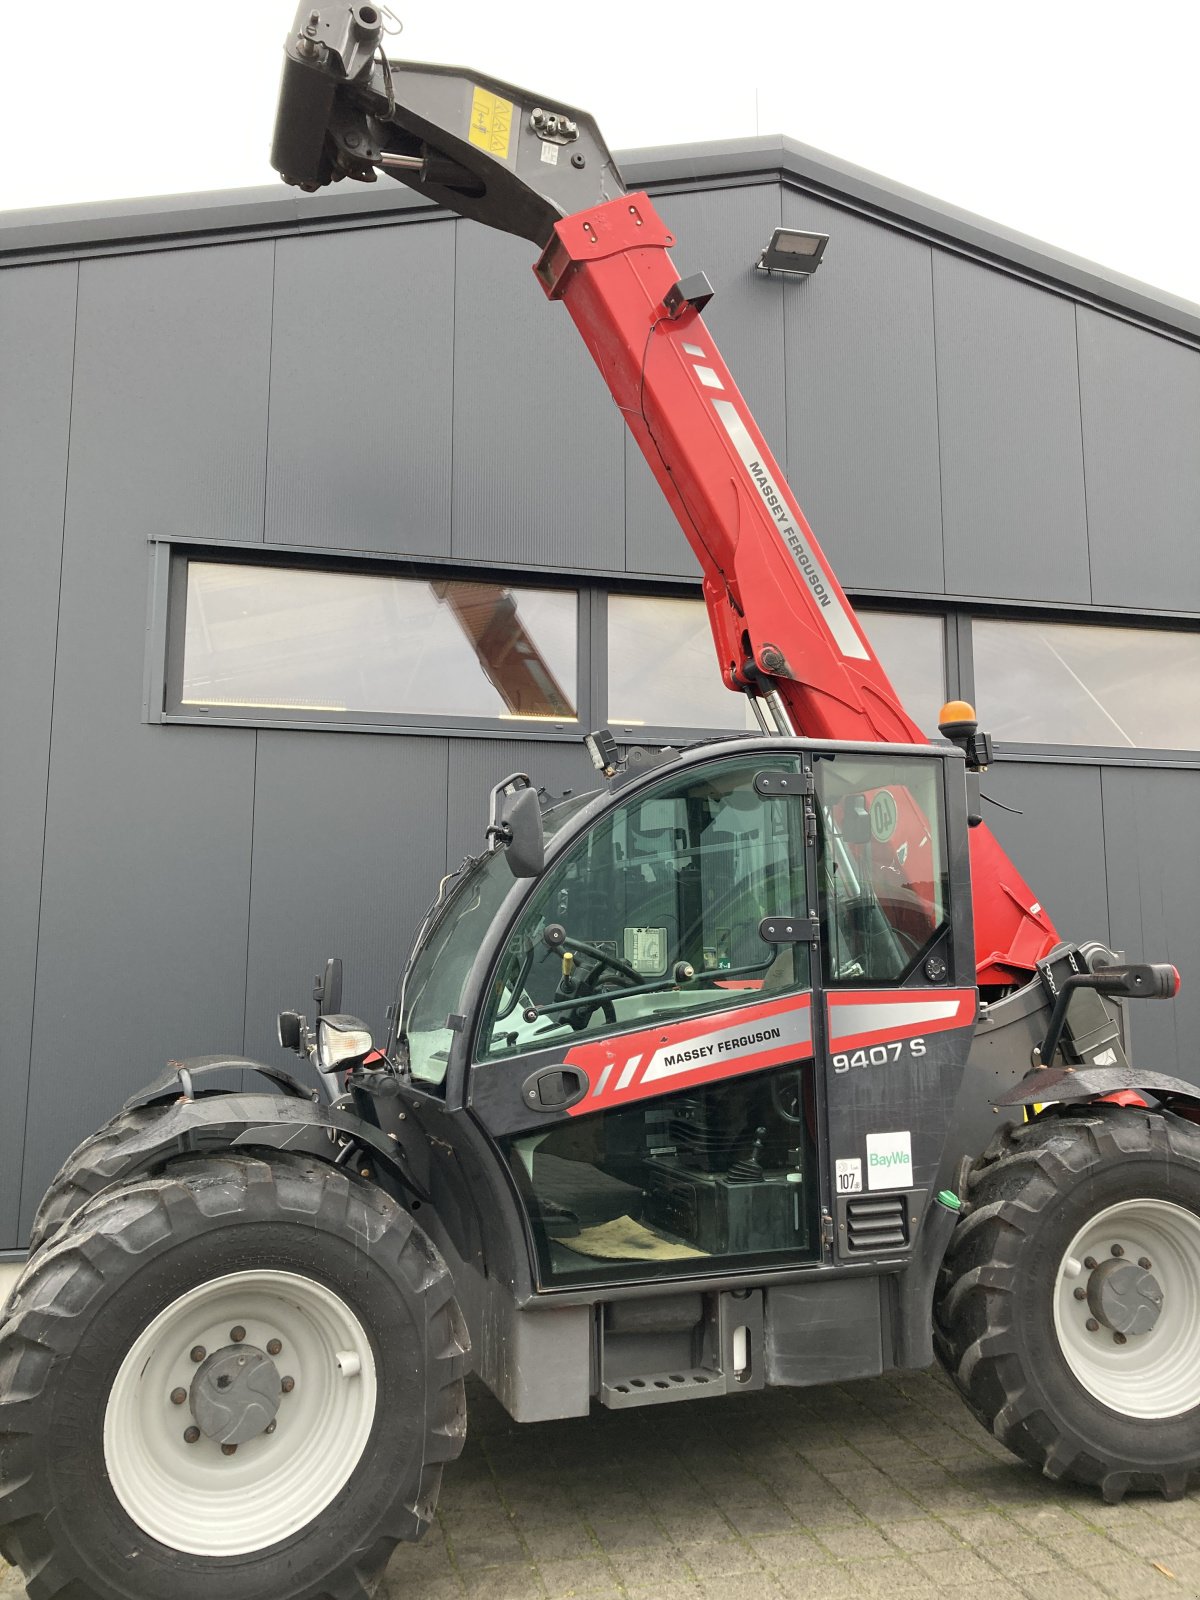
663,672
662,668
304,640
884,887
660,906
1072,683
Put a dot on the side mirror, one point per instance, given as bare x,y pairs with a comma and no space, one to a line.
521,816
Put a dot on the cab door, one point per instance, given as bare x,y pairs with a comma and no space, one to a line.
644,1059
897,975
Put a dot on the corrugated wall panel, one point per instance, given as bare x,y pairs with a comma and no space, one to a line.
349,834
37,336
361,381
720,232
146,888
1154,891
539,472
1141,436
862,403
1057,841
1011,448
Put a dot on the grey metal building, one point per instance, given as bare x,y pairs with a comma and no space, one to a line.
268,463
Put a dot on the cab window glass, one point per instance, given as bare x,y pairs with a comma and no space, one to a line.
655,913
883,886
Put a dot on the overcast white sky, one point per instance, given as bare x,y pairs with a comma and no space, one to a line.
1074,122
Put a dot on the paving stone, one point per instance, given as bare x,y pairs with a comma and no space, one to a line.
979,1527
924,1534
1060,1585
579,1576
648,1568
726,1559
626,1533
513,1581
1134,1580
678,1589
741,1586
446,1586
947,1567
1019,1557
862,1543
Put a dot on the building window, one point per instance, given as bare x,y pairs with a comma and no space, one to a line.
912,647
1068,683
663,673
301,641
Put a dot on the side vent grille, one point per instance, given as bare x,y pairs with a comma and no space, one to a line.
877,1223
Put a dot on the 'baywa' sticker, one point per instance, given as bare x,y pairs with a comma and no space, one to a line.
889,1161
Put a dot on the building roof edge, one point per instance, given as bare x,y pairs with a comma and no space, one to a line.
156,221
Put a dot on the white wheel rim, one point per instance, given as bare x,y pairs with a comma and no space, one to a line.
1152,1375
193,1497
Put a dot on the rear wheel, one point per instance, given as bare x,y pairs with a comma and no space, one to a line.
1069,1307
241,1377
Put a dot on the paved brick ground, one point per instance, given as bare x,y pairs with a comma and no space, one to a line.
861,1492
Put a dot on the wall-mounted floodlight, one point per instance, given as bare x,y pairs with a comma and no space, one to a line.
794,252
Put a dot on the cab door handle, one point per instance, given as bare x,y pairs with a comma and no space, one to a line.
554,1088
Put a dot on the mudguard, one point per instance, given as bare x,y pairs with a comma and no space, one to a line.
1065,1084
219,1120
176,1081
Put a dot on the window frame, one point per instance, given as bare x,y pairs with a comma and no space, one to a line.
166,619
169,600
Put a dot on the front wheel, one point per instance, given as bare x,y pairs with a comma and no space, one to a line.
1069,1307
240,1377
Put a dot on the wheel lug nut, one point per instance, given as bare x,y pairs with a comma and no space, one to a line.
1092,1325
1080,1294
287,1385
178,1396
198,1353
229,1449
1119,1338
274,1346
237,1334
1090,1263
1118,1250
1145,1263
191,1435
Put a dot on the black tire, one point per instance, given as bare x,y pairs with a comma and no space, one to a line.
1029,1195
89,1169
134,1251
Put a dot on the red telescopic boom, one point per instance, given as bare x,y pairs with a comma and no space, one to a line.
784,631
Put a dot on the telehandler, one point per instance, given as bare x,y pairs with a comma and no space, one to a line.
757,1065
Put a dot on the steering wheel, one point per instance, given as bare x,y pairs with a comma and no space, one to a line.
557,937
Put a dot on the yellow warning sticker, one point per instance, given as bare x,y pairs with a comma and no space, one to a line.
491,123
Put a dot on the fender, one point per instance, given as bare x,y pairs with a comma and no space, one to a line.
218,1121
1070,1084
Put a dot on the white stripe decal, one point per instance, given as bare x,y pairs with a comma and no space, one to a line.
627,1072
785,1028
881,1017
830,608
693,350
709,378
604,1076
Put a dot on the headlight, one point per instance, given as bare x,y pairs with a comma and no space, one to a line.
341,1038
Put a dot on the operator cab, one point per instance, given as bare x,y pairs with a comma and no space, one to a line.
662,1032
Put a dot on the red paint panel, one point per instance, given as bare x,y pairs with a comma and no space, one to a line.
677,1056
